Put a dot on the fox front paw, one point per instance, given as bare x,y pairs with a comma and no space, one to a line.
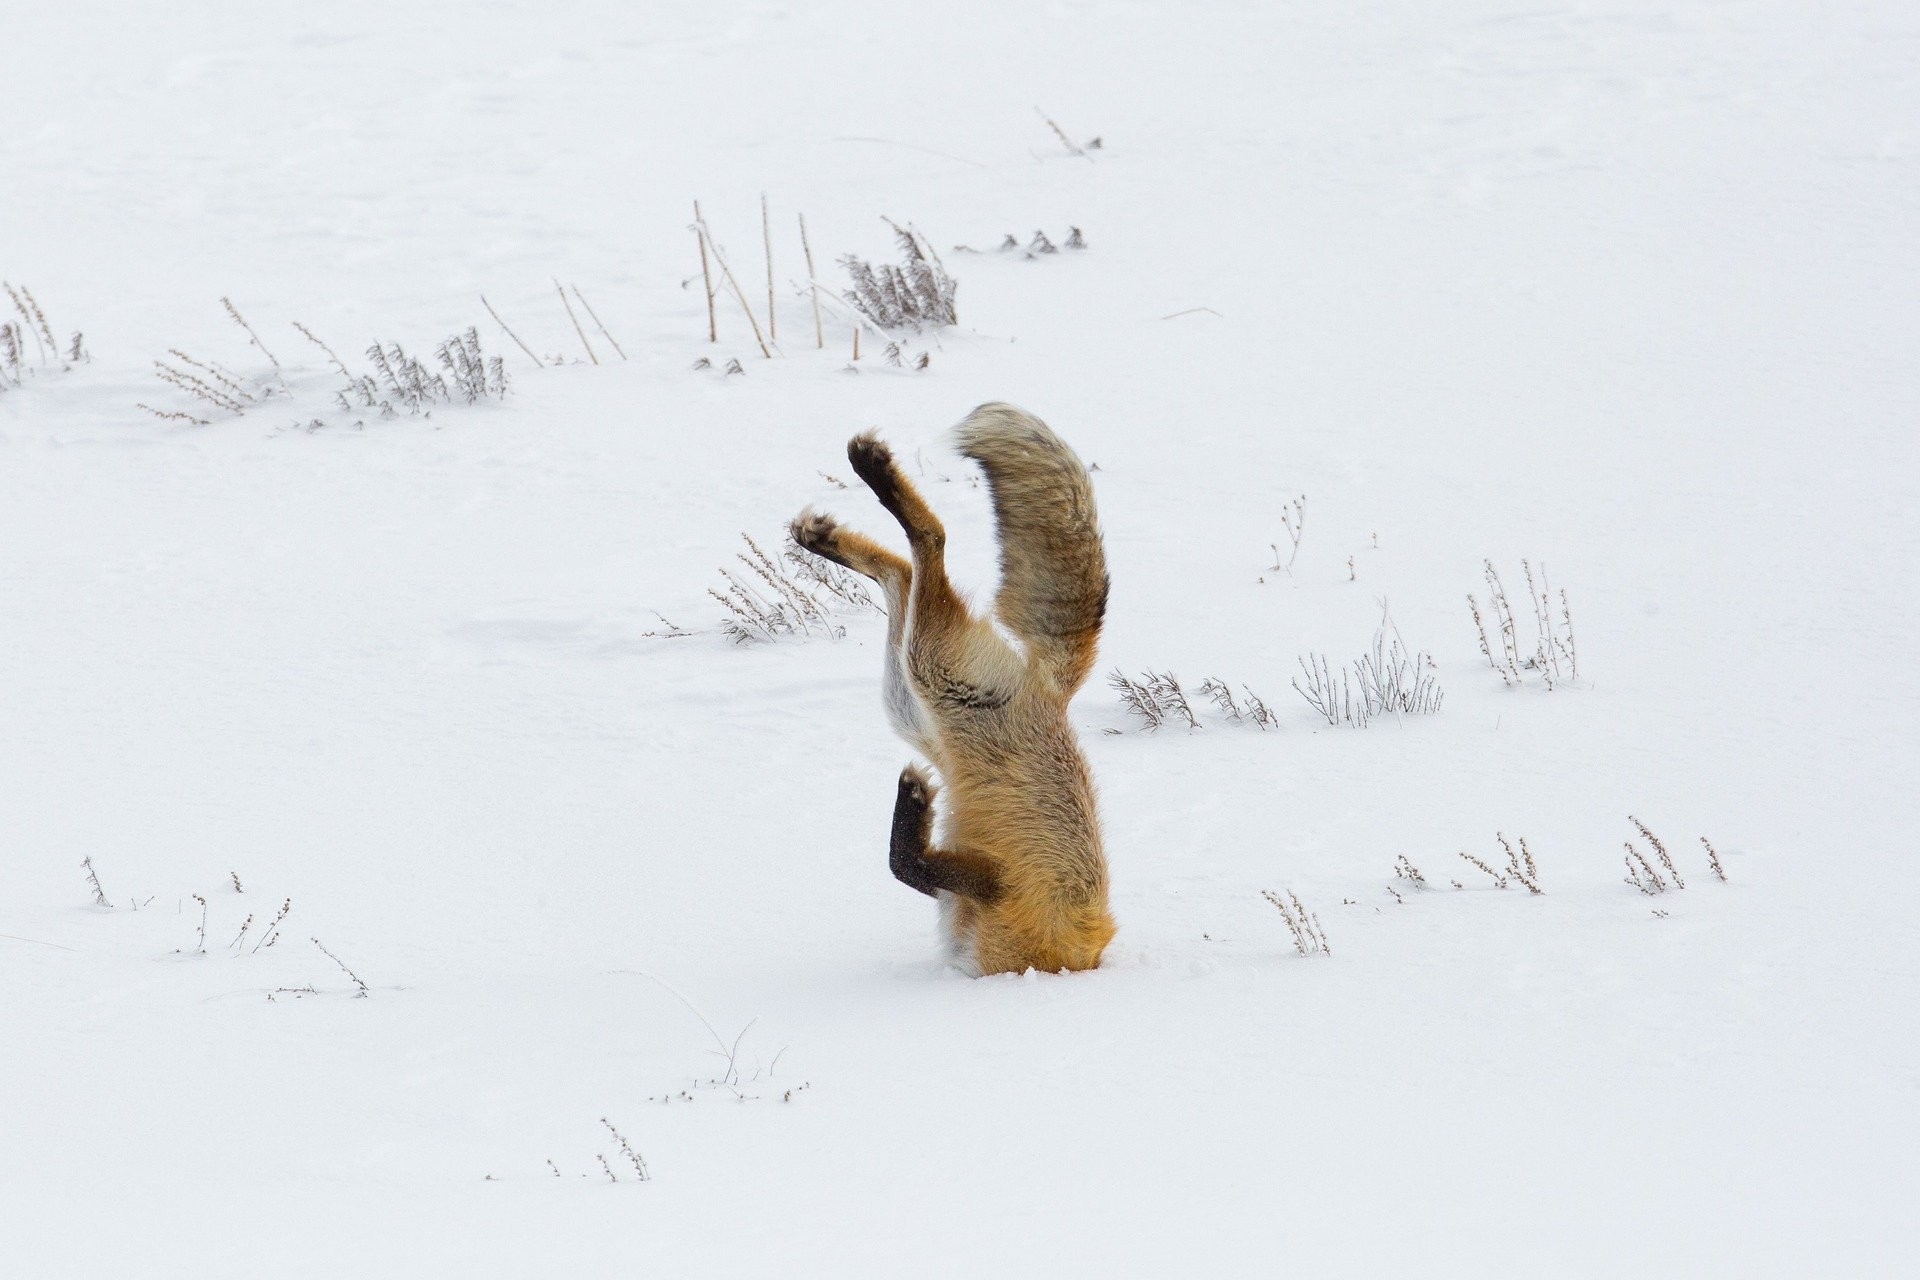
916,791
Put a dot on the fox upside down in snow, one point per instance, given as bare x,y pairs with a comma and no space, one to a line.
1019,871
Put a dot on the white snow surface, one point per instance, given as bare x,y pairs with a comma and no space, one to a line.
1627,287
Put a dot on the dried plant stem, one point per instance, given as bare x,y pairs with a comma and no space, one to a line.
1293,515
738,292
576,322
633,1157
242,322
1222,698
271,934
195,387
510,333
1257,708
1516,870
819,334
338,363
1308,936
1566,617
93,882
27,327
1499,881
766,236
1713,860
171,415
35,321
362,993
1485,648
219,375
706,274
1640,872
1061,134
40,320
1666,860
854,316
596,322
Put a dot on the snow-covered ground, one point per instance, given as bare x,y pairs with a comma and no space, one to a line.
1627,287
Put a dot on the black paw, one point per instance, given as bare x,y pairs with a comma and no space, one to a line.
872,461
916,792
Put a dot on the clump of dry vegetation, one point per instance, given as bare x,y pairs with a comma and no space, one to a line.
1293,518
28,327
396,382
917,293
1555,657
1308,937
626,1149
1643,875
400,382
886,301
1386,680
1038,247
766,600
1255,711
1158,698
1520,867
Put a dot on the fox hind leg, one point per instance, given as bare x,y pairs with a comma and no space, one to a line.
830,540
873,462
954,661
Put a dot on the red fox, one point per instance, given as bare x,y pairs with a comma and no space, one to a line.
1019,872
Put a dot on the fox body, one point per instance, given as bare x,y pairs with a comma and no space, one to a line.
1018,866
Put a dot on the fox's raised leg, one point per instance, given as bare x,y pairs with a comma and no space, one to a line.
954,660
914,860
828,539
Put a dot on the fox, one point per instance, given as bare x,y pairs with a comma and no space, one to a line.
1019,871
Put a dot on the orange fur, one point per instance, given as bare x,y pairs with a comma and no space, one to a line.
1019,870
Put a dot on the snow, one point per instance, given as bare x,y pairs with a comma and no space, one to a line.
1626,287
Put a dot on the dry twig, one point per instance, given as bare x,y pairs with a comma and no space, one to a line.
510,333
714,248
576,322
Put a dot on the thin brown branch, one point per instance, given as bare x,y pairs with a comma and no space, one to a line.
706,275
510,333
819,334
738,292
242,322
766,235
576,322
1061,134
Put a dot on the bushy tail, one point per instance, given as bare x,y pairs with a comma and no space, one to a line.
1053,570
